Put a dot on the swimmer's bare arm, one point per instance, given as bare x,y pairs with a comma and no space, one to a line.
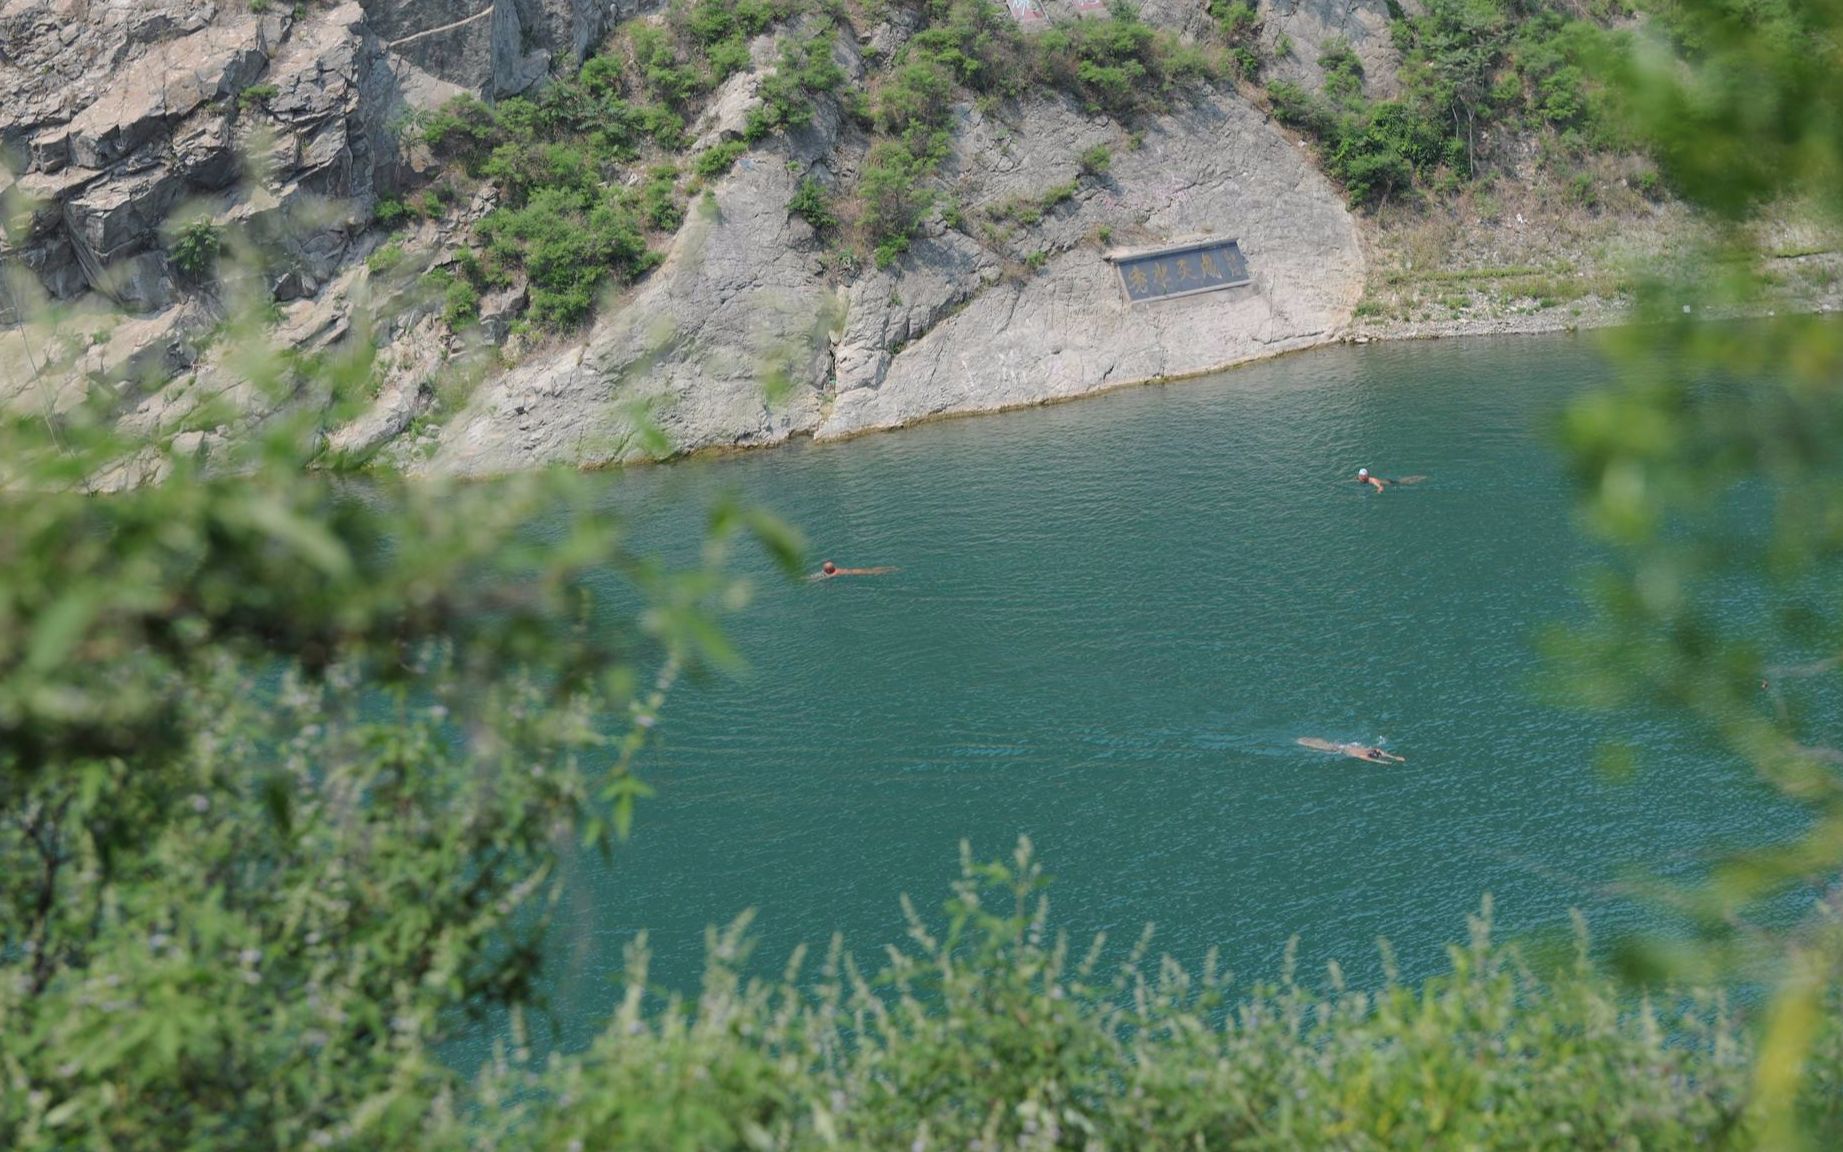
1374,482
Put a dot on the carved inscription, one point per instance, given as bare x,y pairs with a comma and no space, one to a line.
1182,270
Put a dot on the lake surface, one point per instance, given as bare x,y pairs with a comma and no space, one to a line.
1113,619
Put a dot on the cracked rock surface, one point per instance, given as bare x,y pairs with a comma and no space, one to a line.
740,339
1216,168
728,342
125,118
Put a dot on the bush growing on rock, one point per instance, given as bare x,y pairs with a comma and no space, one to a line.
659,198
256,96
562,157
806,70
896,197
389,212
195,249
460,304
385,258
1240,26
810,204
1466,68
566,241
1119,65
461,129
715,161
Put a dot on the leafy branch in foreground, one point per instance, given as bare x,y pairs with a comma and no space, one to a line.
1714,473
290,763
988,1031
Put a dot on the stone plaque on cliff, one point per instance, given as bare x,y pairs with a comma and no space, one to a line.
1180,270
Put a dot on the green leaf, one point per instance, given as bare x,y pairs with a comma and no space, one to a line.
309,539
58,631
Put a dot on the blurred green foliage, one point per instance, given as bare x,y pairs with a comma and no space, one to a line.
987,1031
290,763
1740,101
1711,471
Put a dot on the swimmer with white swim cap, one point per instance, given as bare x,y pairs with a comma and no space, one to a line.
1363,477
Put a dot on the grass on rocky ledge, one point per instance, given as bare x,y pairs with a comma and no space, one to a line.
571,217
1118,66
568,219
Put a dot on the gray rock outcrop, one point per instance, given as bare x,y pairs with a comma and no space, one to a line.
497,47
1215,169
134,116
1307,27
145,109
740,338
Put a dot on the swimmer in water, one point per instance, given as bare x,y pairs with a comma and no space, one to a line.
829,570
1378,483
1354,751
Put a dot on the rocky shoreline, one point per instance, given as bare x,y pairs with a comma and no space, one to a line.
752,326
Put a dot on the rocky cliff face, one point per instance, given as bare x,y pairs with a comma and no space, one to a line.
1307,27
133,115
127,110
496,47
962,329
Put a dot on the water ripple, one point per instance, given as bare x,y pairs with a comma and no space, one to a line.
1113,620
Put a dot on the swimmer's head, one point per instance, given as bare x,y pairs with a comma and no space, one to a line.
828,568
1363,473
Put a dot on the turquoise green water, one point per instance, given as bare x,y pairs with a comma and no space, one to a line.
1111,623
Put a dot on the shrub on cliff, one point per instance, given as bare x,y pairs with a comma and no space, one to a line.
806,70
1240,26
562,156
567,241
896,197
1120,65
810,203
195,248
462,129
1467,67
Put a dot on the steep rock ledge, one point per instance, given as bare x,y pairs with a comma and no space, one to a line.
1216,168
728,342
751,331
959,324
